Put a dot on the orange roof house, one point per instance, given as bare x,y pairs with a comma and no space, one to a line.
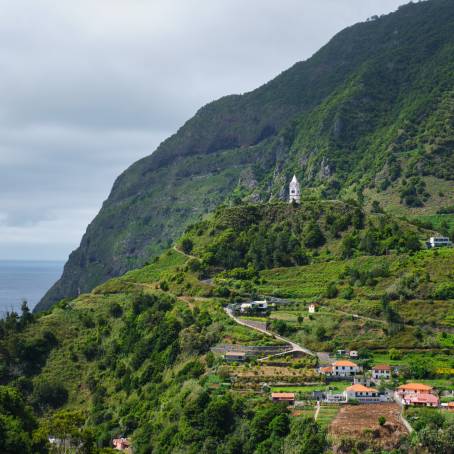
362,393
283,397
415,388
344,363
345,368
358,388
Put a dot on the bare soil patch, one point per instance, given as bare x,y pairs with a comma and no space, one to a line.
357,426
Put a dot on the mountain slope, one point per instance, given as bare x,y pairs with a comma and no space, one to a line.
370,115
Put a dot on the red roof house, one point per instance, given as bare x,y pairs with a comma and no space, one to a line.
421,399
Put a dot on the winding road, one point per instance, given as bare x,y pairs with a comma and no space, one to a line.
250,324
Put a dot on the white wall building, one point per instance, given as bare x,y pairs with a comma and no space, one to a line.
345,369
362,393
381,371
439,241
294,191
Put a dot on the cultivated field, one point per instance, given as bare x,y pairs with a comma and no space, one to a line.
360,423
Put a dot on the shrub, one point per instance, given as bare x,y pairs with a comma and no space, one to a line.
381,420
331,291
116,310
444,291
187,245
46,394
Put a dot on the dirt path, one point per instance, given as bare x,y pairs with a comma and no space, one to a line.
189,256
252,325
317,411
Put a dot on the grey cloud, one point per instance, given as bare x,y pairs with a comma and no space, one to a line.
88,87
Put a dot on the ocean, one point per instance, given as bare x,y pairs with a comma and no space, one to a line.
27,280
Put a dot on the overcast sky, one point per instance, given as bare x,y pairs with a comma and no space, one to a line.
89,87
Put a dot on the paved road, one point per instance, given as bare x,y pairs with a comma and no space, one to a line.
253,325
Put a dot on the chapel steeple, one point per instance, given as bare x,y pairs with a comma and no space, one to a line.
294,190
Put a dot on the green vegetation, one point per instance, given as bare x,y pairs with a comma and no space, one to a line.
373,137
368,117
433,429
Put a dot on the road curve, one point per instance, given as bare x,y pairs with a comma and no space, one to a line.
295,347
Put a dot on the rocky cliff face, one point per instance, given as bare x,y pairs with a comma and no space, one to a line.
372,109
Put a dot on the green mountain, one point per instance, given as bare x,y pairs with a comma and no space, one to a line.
133,357
370,116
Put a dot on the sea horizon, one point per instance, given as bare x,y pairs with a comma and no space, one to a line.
26,280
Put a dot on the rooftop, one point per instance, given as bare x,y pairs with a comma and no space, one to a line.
415,387
235,354
283,395
382,367
423,398
361,389
345,363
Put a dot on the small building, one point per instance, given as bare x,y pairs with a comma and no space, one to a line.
421,400
254,306
331,398
362,394
283,397
381,371
353,354
341,352
438,241
263,305
122,444
235,357
414,388
404,392
312,308
451,406
344,368
245,307
294,190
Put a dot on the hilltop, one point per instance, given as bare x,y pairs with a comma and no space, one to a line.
368,117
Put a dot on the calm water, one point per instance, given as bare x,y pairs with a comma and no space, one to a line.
21,280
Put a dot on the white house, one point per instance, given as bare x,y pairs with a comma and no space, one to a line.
381,371
312,308
439,241
345,369
254,306
362,393
259,304
353,354
294,191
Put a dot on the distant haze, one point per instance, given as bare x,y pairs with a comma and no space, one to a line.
90,86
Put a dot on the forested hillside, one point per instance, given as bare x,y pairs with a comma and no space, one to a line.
369,117
134,357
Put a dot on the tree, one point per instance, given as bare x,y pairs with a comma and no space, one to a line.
306,437
17,424
314,237
219,416
46,394
187,245
421,368
376,208
331,290
381,420
69,427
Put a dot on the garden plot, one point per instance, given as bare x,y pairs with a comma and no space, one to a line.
360,422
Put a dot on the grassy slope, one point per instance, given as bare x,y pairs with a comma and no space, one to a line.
377,95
